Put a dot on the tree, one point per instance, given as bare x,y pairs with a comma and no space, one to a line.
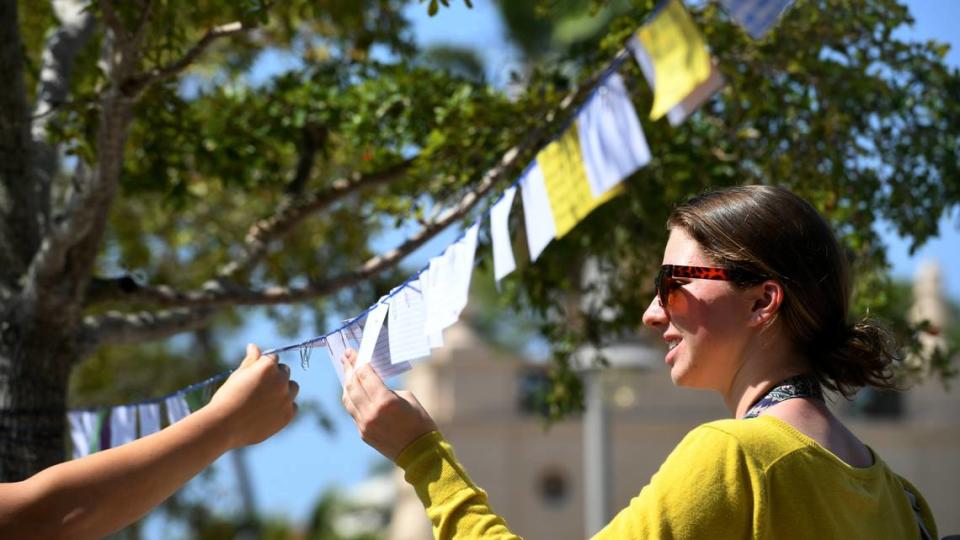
149,187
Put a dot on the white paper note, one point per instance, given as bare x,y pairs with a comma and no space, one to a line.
337,348
434,336
464,254
149,418
611,139
441,276
372,328
177,408
406,324
123,425
537,216
503,261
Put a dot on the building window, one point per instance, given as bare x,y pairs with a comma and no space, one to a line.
532,388
879,404
553,487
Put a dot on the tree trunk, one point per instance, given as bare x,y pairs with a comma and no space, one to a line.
35,361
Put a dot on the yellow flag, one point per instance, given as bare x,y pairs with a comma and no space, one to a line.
565,178
679,56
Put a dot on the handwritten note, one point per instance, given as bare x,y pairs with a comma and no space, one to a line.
406,324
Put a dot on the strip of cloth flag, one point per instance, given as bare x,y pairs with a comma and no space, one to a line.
149,418
177,408
123,425
611,139
537,216
503,261
704,91
565,179
85,431
757,17
677,53
337,347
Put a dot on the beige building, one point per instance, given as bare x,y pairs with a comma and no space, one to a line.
482,400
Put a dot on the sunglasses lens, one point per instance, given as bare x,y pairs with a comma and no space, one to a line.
663,291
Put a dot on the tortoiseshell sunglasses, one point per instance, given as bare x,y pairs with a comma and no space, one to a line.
668,272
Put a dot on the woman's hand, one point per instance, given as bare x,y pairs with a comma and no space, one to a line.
388,421
257,400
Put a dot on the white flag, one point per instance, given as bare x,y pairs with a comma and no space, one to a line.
503,261
83,432
149,418
756,16
177,408
537,216
611,139
123,425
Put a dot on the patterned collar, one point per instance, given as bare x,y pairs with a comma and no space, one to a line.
794,387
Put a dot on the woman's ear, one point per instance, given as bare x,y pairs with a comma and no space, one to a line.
766,303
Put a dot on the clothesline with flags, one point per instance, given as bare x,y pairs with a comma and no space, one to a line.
580,169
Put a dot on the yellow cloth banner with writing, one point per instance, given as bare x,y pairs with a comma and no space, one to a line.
565,177
678,53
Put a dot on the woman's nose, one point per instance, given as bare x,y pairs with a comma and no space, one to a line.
655,315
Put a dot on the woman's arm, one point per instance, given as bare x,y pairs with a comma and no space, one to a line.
101,493
396,425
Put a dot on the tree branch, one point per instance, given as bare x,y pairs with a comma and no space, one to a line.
19,226
135,84
293,211
115,328
110,15
224,292
64,262
60,52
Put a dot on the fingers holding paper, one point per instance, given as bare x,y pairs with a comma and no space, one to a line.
257,400
388,421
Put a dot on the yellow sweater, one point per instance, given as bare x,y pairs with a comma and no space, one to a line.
757,478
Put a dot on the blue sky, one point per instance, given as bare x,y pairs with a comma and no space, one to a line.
292,469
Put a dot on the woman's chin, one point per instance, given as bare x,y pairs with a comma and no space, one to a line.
677,375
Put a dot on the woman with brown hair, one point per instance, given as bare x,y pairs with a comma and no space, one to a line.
752,301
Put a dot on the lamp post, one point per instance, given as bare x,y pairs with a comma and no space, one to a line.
629,353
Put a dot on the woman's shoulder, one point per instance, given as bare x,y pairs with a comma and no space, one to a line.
762,440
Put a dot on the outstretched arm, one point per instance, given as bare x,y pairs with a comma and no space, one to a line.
395,424
101,493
